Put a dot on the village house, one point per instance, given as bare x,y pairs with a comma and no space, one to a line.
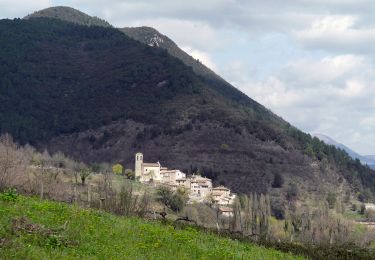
171,176
226,211
222,196
370,206
199,188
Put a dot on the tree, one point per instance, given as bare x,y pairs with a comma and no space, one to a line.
117,169
362,211
331,199
173,200
164,195
84,173
10,161
278,181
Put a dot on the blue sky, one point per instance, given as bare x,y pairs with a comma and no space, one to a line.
309,61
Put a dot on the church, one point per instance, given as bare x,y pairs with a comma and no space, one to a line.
154,172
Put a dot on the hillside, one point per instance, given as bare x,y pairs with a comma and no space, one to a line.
153,38
100,96
370,161
34,229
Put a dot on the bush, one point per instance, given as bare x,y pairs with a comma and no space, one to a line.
278,209
331,199
224,147
362,209
278,181
9,195
292,192
130,174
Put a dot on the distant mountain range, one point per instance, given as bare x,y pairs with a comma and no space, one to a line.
365,159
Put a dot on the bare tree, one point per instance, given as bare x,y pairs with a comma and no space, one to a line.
11,162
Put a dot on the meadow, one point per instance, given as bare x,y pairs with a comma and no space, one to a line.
31,228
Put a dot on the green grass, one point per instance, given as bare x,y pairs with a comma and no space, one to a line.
91,234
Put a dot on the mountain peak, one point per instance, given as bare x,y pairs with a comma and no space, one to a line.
69,14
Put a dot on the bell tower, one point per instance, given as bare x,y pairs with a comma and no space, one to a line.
138,164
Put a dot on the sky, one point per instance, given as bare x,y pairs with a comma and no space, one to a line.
309,61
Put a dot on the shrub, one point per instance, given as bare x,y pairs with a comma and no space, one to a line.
117,169
292,192
278,209
331,199
278,181
9,195
224,147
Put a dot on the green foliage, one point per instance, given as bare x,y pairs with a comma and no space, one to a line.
59,231
331,199
174,200
117,169
164,194
9,195
84,173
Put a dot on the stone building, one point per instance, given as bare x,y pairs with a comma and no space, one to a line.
147,172
222,196
200,187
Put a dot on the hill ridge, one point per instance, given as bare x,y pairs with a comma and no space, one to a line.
69,14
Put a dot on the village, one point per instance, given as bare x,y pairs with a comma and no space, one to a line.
198,188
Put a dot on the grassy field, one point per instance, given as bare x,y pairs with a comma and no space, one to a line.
34,229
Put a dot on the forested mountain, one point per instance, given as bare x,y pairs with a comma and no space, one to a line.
100,96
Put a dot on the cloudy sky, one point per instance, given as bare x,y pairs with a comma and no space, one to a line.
309,61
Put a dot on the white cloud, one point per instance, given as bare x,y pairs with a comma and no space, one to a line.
338,33
21,8
332,95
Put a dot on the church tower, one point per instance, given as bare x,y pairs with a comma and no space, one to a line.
138,164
